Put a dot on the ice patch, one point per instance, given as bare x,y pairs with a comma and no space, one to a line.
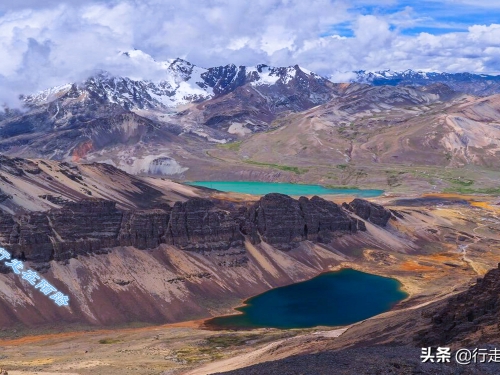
162,165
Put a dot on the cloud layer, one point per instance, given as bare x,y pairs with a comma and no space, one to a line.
54,42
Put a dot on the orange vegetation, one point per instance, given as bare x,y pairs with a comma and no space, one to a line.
442,257
411,265
469,198
64,335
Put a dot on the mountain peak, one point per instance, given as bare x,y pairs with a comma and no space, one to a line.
470,83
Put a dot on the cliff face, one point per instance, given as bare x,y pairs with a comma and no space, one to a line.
372,212
283,222
198,225
93,226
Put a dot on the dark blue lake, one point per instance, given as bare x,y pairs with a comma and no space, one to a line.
331,299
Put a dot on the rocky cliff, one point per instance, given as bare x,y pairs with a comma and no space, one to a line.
182,261
372,212
470,317
94,225
199,225
283,222
91,226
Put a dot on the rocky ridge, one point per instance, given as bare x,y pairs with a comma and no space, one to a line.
182,83
94,226
40,185
468,83
471,317
372,212
138,125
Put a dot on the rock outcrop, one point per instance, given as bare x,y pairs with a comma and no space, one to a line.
323,218
144,229
4,197
90,226
198,225
96,225
283,221
372,212
470,317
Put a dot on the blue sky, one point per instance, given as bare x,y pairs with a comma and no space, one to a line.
434,17
58,41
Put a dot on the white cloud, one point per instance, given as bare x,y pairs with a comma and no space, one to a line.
54,42
473,3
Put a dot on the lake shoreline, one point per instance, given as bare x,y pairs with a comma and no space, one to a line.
398,295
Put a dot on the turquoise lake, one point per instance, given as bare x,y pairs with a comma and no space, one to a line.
331,299
261,188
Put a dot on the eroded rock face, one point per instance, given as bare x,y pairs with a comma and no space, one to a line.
94,226
323,217
283,221
144,229
278,220
4,197
85,227
470,317
198,225
372,212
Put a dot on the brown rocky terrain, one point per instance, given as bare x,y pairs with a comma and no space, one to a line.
469,318
194,247
397,138
39,185
129,249
138,250
435,246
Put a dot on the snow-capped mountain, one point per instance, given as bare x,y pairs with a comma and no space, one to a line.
469,83
142,126
159,126
182,83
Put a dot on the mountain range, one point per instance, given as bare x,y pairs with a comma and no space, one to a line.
469,83
84,201
205,123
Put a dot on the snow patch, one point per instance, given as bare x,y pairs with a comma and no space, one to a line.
238,128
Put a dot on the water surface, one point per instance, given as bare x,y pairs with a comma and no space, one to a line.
331,299
261,188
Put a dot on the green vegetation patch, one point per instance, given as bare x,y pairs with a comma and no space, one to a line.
394,178
225,341
109,341
287,168
467,190
461,181
221,345
232,146
192,354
